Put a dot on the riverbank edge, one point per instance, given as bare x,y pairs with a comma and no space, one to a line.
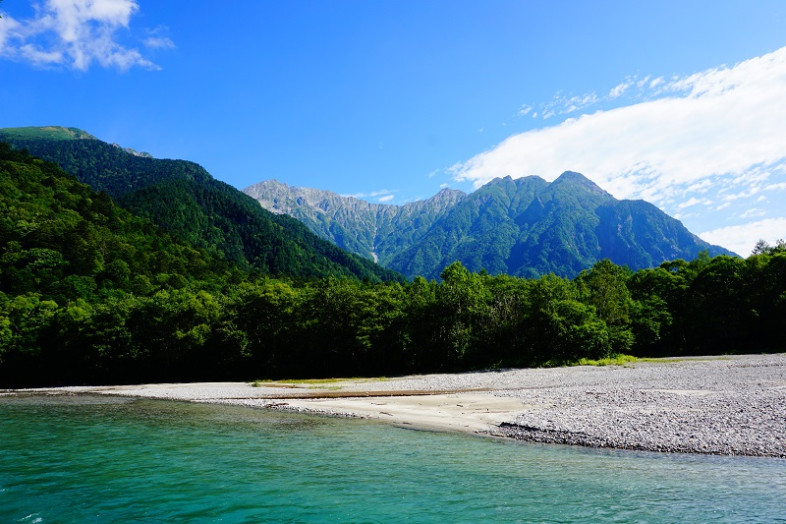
504,404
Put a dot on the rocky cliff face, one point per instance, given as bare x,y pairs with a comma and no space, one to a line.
376,231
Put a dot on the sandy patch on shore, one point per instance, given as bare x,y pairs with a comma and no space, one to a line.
464,412
731,405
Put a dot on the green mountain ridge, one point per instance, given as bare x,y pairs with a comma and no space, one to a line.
46,133
60,238
523,227
186,201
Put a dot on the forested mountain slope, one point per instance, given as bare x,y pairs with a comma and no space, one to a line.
90,293
63,241
185,200
523,227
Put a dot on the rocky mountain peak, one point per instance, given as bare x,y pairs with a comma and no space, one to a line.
524,226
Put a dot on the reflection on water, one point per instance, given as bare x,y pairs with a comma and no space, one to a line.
91,459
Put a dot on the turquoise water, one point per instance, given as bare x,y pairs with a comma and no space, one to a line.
88,459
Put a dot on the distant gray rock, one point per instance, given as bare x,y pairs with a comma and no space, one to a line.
375,231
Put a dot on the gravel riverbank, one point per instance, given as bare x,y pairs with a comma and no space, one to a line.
730,405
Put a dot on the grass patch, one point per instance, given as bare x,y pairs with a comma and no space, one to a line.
614,360
660,360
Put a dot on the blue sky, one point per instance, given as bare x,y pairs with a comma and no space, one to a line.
679,103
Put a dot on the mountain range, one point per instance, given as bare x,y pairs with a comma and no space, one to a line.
186,201
524,227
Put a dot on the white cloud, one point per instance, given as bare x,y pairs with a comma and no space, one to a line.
380,193
563,105
38,56
727,121
620,89
701,187
76,34
754,212
384,199
655,82
158,39
692,202
717,134
742,238
159,42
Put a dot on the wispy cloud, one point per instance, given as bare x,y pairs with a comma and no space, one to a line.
382,195
753,212
721,129
742,238
633,89
692,202
157,40
76,34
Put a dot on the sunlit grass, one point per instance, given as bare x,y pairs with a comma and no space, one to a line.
614,360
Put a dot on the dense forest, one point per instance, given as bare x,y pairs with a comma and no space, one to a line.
186,201
90,293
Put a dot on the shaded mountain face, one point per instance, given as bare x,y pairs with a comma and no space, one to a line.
186,201
524,227
375,231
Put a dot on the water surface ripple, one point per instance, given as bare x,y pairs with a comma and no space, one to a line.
96,459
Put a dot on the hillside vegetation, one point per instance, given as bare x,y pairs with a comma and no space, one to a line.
186,201
90,293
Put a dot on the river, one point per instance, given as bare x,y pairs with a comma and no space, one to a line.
104,459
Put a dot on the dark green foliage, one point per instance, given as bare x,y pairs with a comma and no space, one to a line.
64,241
186,201
90,293
68,256
104,167
528,227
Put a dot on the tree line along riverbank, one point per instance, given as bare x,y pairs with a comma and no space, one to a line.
266,327
90,293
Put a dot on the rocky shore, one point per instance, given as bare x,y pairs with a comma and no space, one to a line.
725,406
729,405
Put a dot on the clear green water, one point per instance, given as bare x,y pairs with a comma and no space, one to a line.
87,459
